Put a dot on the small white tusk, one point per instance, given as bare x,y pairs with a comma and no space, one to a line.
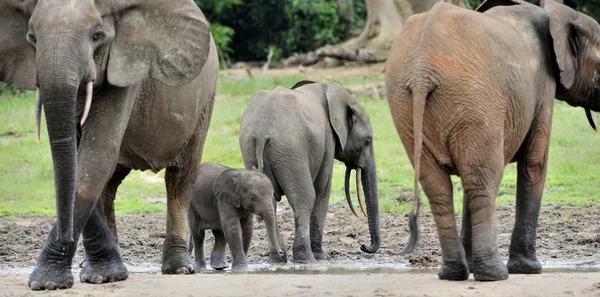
38,112
88,101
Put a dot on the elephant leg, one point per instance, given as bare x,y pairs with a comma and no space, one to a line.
437,186
480,183
198,237
466,233
247,230
103,259
300,193
108,198
317,218
96,161
233,233
531,177
175,258
217,256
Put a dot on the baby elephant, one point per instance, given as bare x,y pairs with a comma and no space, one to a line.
225,200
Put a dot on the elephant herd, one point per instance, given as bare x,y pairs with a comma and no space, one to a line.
131,85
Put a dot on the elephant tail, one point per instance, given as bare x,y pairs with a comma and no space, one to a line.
260,152
419,97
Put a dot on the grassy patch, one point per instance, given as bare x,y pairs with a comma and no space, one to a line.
26,177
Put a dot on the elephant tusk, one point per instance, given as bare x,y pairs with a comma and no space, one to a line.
347,190
359,190
38,111
588,114
88,101
38,114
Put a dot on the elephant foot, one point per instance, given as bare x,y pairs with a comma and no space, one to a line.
320,255
219,264
241,267
50,275
454,271
176,259
490,269
522,265
103,271
200,266
277,257
304,258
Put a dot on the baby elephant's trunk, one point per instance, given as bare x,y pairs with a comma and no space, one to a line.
275,250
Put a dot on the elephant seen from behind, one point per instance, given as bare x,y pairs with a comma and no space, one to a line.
470,92
296,134
225,200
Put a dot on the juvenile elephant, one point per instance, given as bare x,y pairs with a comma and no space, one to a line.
150,67
470,92
225,200
298,132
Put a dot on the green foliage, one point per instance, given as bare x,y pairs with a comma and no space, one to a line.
7,90
286,26
222,36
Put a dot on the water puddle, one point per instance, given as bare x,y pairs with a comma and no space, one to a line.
339,268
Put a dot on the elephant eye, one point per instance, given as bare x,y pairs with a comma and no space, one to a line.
99,35
368,141
31,38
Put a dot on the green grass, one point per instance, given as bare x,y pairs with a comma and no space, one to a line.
26,177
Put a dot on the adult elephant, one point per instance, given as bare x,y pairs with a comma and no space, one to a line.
470,92
296,133
124,85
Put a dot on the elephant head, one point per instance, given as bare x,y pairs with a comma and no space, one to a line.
576,44
352,127
66,48
252,191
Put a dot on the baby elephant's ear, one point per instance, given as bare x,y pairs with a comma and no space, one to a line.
226,187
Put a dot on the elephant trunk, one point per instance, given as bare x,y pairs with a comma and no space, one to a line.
59,79
271,225
369,181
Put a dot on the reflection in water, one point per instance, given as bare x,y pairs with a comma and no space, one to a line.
325,267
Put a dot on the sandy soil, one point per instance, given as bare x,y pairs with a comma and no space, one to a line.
566,238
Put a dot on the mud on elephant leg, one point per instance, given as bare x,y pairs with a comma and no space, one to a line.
480,185
438,189
103,260
217,256
317,222
108,198
176,259
530,185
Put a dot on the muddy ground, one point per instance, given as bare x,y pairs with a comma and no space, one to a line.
567,237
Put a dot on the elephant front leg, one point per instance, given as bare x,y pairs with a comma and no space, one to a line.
317,220
466,233
53,268
198,238
438,189
531,177
247,224
176,259
233,233
217,256
103,260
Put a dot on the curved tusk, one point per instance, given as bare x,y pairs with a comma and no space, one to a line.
347,190
359,190
588,114
38,114
88,101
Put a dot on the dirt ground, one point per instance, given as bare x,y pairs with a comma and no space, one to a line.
568,238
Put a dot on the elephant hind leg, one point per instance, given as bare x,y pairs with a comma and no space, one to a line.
217,256
108,198
319,212
437,186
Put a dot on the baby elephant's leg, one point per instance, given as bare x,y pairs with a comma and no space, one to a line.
200,261
217,256
247,229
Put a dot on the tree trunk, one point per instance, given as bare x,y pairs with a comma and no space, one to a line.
384,20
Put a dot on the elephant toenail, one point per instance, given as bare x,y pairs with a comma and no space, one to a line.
50,286
190,267
35,285
111,280
182,270
96,279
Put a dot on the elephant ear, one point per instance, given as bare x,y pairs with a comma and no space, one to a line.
226,187
340,104
17,56
569,31
493,3
165,40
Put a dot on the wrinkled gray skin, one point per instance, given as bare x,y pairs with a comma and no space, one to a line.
154,67
301,131
483,99
225,200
